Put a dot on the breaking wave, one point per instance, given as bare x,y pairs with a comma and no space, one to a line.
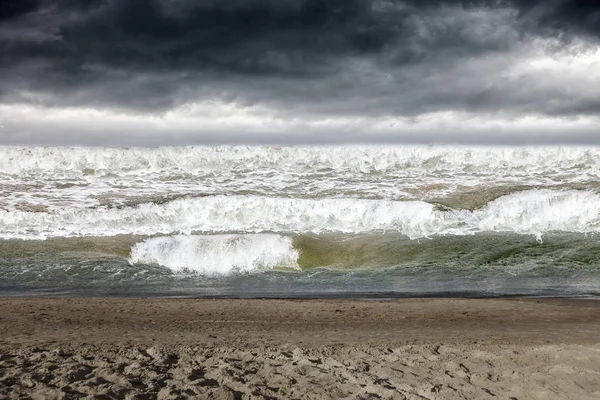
76,161
51,178
533,212
217,255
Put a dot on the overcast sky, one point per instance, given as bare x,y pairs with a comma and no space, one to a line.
152,72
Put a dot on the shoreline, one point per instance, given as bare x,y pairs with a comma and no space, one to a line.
152,348
154,295
27,320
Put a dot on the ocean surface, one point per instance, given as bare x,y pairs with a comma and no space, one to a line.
267,221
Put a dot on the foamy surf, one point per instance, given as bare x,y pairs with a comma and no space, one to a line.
78,162
332,219
533,212
51,178
217,255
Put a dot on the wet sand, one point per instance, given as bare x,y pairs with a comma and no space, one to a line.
101,348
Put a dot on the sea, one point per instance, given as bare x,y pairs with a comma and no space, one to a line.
359,221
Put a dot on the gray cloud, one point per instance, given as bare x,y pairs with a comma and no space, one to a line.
143,133
297,57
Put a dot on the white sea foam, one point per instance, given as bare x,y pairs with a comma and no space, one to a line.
217,255
222,214
539,211
530,212
54,178
74,162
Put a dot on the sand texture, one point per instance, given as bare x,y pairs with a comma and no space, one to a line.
94,348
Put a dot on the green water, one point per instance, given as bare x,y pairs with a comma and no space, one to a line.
330,265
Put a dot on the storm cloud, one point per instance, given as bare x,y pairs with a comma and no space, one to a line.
298,65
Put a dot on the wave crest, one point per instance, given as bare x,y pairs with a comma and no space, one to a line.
75,161
529,212
217,255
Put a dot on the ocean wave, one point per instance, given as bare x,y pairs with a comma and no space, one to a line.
217,255
505,253
177,162
137,259
532,212
222,214
52,178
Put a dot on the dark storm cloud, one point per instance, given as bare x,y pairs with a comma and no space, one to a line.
565,16
13,9
338,57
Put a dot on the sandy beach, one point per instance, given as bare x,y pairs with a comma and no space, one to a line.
104,348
